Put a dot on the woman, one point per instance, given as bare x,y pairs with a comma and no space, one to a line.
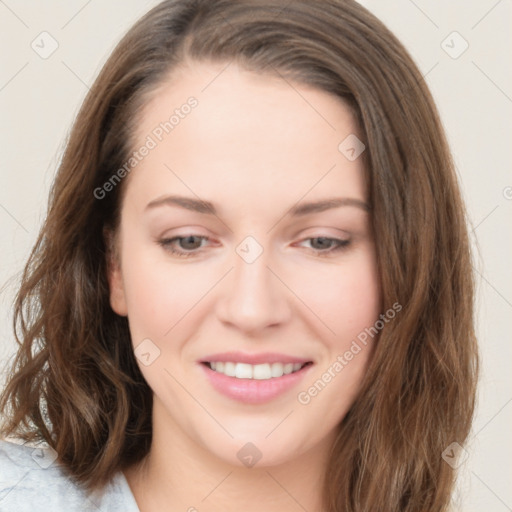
253,286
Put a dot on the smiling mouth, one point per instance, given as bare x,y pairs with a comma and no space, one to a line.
265,371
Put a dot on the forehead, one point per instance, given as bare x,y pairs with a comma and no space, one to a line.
246,136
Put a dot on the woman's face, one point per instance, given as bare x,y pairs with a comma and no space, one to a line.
246,253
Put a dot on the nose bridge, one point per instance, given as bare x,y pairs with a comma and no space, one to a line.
252,276
254,298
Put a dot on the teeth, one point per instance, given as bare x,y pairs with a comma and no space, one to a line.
243,371
229,369
258,371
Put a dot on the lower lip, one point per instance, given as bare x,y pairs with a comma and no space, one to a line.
254,391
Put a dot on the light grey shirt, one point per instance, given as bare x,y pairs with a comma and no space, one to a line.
31,480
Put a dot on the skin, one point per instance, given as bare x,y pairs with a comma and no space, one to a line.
255,146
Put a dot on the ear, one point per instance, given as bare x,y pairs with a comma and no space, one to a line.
114,274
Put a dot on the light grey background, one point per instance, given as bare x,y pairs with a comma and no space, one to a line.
40,97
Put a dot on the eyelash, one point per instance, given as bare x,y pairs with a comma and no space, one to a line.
167,244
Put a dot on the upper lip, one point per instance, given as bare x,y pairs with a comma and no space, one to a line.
261,358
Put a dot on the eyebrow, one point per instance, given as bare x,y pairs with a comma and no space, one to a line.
207,208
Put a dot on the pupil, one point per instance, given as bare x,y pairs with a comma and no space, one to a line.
322,242
187,240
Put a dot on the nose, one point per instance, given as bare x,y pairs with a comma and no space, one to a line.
253,298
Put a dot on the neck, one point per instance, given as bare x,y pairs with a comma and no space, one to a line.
180,474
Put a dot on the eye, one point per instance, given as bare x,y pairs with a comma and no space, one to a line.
183,246
190,245
323,245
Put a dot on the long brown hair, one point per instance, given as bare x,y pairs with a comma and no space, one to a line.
75,382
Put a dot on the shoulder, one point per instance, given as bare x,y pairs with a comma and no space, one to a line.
32,480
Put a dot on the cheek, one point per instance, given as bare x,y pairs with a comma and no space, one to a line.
360,296
345,296
159,294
